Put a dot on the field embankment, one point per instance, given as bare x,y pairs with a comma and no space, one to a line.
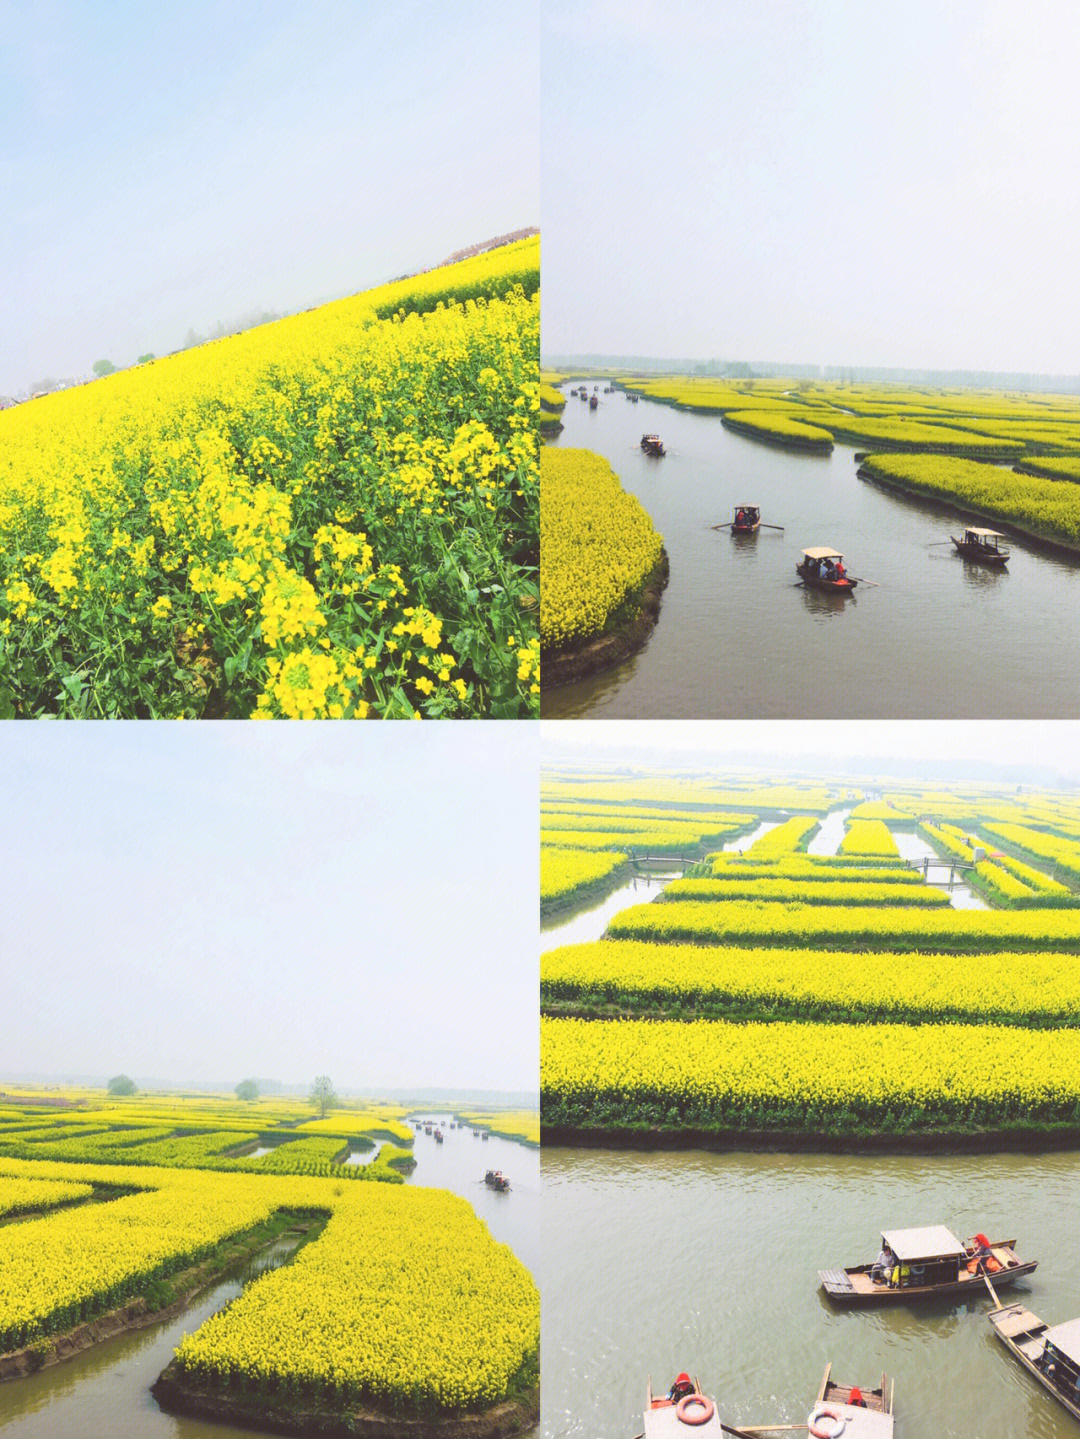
603,567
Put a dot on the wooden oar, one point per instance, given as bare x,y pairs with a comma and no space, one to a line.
932,543
993,1292
765,1429
762,525
872,583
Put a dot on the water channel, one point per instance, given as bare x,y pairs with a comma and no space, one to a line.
657,1262
738,637
104,1393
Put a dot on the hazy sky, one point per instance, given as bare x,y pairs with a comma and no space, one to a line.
817,182
167,166
225,900
1042,745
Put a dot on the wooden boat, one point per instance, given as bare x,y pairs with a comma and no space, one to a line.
809,570
652,444
1050,1353
929,1261
747,520
593,402
834,1414
982,546
484,1134
427,1128
633,399
495,1179
438,1136
676,1419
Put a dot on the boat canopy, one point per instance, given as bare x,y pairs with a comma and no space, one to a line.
746,507
823,552
1066,1340
984,534
933,1242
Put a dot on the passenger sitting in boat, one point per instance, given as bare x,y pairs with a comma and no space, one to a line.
683,1386
828,570
855,1397
879,1273
840,571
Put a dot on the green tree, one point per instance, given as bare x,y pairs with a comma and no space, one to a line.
247,1089
121,1084
145,359
322,1095
104,367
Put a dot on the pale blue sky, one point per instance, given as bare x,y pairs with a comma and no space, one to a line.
218,901
167,166
813,181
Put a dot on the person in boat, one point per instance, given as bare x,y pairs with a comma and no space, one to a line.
855,1398
882,1265
683,1386
840,572
982,1257
828,570
740,517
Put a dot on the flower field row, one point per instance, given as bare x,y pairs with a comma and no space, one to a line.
812,868
786,838
666,839
1064,854
306,1154
1042,990
565,873
521,1124
1043,507
869,836
763,424
404,1298
716,1075
807,799
955,931
798,891
702,826
1059,469
335,515
598,546
28,1196
879,809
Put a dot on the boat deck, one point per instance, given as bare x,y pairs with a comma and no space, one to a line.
664,1423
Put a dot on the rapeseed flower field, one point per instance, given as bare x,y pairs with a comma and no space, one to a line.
598,546
404,1299
710,1007
332,516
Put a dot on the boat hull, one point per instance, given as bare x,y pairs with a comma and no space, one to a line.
1026,1327
853,1287
979,555
746,529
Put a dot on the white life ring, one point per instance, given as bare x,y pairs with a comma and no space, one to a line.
826,1423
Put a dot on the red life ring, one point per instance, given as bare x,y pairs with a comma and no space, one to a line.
705,1409
826,1423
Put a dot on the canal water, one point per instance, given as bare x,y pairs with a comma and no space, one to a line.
104,1393
738,637
658,1262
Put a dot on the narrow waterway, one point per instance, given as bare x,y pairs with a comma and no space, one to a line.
104,1393
738,637
654,1263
